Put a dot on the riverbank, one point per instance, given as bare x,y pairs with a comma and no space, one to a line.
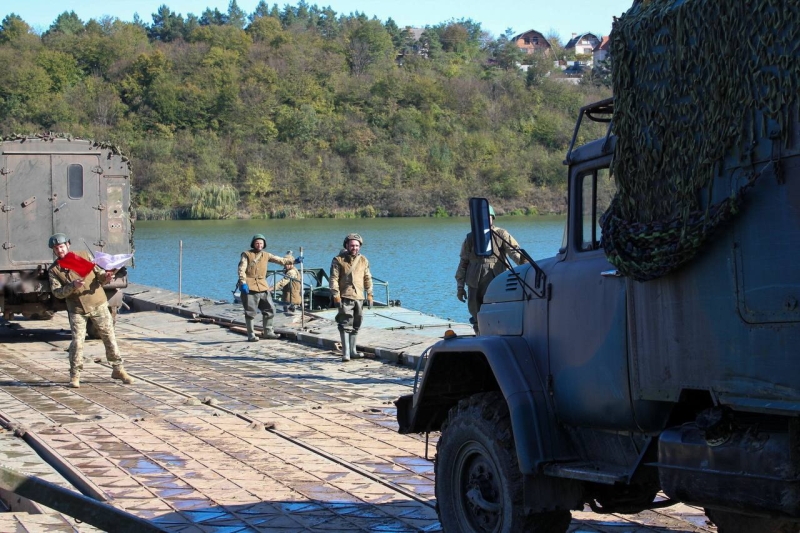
541,202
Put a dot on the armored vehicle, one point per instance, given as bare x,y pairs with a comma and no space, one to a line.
656,351
54,184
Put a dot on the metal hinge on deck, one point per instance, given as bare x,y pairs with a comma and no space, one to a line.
100,207
8,245
5,171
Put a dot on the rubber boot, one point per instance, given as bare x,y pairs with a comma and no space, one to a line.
118,372
75,380
345,345
269,331
251,336
354,354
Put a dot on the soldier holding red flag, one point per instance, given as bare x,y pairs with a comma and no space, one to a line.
76,279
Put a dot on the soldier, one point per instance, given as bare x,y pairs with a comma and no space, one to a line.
254,287
74,278
349,278
290,285
477,272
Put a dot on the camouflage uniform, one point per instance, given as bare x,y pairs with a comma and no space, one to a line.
253,272
350,278
291,286
85,303
477,272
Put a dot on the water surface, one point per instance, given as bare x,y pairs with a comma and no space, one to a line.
417,256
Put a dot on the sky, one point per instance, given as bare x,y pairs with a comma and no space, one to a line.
495,16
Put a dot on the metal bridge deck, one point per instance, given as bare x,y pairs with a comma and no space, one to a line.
222,435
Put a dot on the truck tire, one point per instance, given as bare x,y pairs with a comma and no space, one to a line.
478,482
728,522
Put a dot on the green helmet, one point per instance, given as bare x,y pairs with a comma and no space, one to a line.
57,238
255,238
353,237
491,211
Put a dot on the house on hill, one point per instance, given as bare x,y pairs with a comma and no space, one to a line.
531,41
582,44
600,53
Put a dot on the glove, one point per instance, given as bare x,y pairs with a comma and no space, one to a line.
337,300
245,289
121,273
462,294
299,260
369,302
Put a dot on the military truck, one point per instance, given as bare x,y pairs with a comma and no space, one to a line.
653,358
55,184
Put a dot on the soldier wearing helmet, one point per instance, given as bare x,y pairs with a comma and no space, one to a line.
350,279
476,272
74,278
290,285
254,287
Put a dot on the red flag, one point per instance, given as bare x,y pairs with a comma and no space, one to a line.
77,264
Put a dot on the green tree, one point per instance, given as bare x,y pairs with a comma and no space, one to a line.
167,25
67,23
236,16
369,44
13,28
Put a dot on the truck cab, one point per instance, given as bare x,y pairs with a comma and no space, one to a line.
589,387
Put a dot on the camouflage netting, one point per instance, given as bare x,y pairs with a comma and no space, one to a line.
693,80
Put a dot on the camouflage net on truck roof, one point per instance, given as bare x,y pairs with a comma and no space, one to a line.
692,80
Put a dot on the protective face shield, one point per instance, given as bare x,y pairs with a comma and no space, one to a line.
56,239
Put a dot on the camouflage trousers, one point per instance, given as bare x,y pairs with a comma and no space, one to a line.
104,324
350,315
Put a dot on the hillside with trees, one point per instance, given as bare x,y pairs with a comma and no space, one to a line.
299,111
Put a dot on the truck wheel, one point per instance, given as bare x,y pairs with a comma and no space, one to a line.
728,522
478,482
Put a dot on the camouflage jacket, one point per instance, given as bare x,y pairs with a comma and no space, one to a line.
81,299
350,276
290,285
472,267
253,268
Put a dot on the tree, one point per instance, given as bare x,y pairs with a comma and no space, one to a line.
369,43
12,28
261,10
167,25
506,53
67,23
213,18
236,17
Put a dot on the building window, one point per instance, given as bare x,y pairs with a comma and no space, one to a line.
75,181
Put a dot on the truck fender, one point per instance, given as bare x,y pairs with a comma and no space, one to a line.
463,366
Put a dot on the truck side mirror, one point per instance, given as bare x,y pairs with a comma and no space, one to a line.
481,226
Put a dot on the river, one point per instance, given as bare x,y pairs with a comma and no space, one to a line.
416,256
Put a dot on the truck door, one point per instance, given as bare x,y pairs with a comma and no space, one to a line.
28,210
76,199
587,308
